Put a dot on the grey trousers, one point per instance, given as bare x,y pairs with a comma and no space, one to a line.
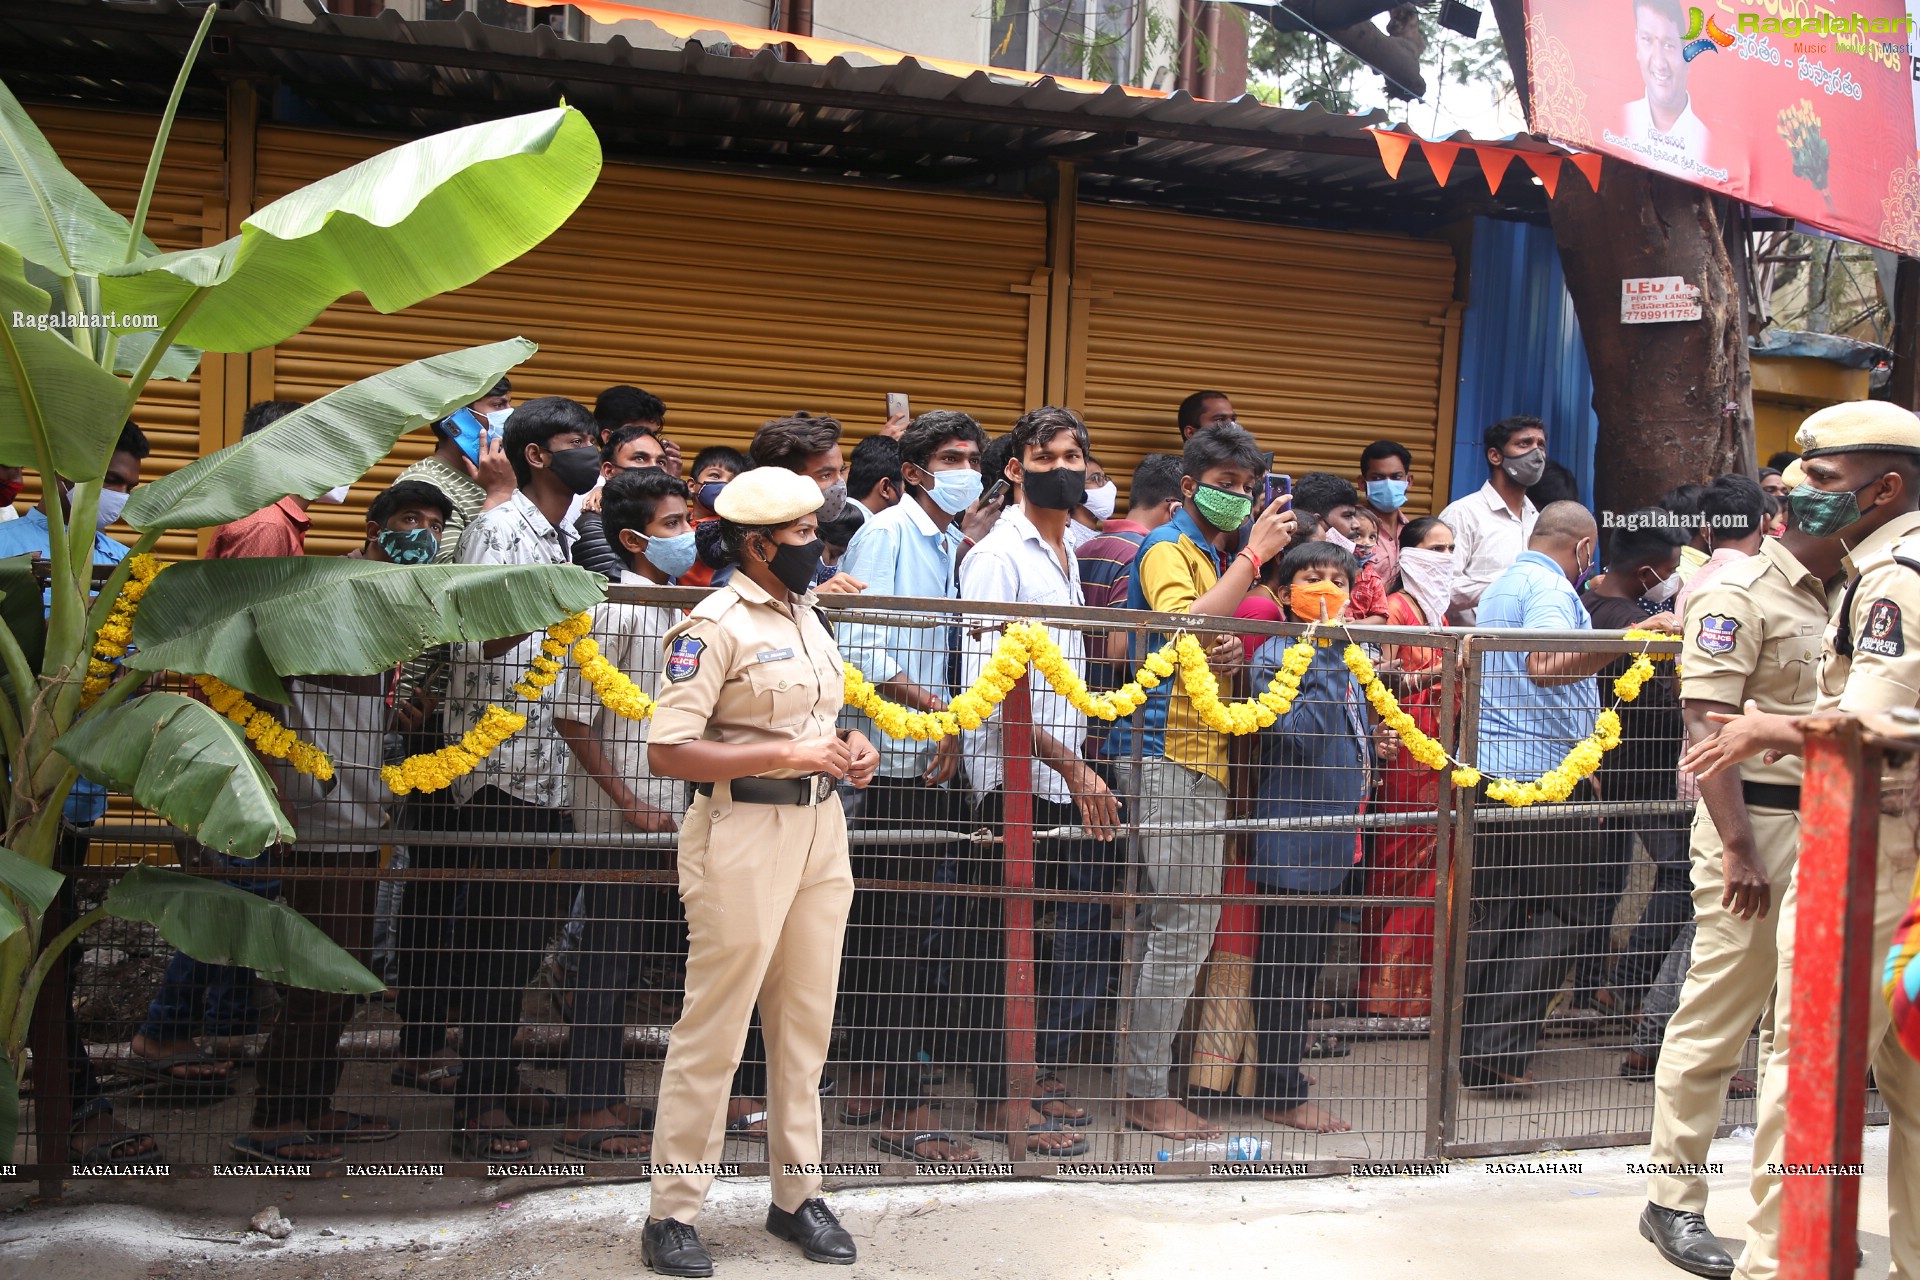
1179,934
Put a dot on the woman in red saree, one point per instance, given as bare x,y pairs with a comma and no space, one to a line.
1397,969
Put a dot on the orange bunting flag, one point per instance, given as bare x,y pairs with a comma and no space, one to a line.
1588,163
1441,156
1493,163
1393,149
1545,168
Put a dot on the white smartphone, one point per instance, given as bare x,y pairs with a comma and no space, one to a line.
897,405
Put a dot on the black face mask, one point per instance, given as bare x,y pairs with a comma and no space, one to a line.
796,565
577,469
1060,489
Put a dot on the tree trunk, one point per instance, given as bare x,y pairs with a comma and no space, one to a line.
1674,400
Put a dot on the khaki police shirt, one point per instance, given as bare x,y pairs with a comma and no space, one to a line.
743,668
1884,672
1754,632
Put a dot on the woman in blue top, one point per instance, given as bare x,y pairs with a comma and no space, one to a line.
1313,763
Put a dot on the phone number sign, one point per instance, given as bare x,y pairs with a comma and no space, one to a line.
1658,300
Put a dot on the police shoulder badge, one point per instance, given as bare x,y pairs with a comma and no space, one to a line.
1716,633
1883,636
683,660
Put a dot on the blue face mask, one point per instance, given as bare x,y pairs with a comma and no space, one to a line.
672,556
954,491
710,493
1386,495
468,426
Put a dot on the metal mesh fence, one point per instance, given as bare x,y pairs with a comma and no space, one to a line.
1076,948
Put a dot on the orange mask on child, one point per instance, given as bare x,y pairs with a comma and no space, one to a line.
1317,601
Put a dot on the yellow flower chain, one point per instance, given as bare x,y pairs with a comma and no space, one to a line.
1241,718
115,636
545,669
436,770
615,689
267,734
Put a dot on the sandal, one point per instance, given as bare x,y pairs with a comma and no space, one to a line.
477,1142
742,1129
910,1149
430,1080
1025,1146
1742,1086
1478,1076
161,1071
1326,1044
107,1149
849,1116
591,1145
270,1150
360,1128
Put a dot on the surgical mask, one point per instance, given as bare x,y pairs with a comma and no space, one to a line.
833,500
409,546
468,428
1526,469
1060,489
577,469
794,565
1386,495
671,556
1821,514
1223,510
112,503
1101,498
956,490
1317,601
334,496
710,493
1664,590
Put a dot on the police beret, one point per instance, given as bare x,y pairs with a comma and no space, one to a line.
1794,476
1859,426
767,496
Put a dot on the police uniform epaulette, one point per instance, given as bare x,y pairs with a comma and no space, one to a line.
1905,552
715,606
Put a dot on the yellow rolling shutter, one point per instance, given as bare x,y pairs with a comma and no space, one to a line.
735,298
108,151
1325,341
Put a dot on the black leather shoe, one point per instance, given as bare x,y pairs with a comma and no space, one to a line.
1683,1239
814,1228
673,1248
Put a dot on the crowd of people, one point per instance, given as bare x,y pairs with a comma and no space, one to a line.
936,509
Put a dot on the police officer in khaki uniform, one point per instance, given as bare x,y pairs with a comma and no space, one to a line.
749,693
1862,463
1753,634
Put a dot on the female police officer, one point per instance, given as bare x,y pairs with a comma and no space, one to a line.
748,698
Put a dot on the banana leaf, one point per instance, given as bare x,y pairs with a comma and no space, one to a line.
177,365
23,610
49,216
185,762
220,924
251,621
431,215
80,405
24,882
332,441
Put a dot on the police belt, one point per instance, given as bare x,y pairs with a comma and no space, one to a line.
808,791
1769,795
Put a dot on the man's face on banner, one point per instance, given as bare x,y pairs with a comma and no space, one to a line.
1657,49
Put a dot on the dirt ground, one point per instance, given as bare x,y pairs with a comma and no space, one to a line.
1471,1223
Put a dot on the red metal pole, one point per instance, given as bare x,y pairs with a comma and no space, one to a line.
1017,872
1832,982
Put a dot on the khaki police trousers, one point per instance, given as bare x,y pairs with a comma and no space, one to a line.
1729,983
1895,1071
766,889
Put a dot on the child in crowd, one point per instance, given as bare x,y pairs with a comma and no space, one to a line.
1314,762
713,467
1366,537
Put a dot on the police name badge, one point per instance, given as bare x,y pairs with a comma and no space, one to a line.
1716,633
683,660
1884,637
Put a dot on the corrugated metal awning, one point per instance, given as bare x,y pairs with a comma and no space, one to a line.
682,102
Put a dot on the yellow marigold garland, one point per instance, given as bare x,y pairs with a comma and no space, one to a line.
545,669
115,636
615,689
436,770
267,734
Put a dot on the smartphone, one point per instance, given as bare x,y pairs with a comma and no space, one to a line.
897,405
1277,484
997,494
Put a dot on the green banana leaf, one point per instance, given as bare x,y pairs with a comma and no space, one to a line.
81,405
187,763
24,881
220,924
177,365
331,441
49,216
429,216
23,609
251,621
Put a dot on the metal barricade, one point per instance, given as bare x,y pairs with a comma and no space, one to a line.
1306,888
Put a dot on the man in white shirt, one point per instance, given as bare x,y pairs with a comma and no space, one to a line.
1491,527
1661,127
1026,559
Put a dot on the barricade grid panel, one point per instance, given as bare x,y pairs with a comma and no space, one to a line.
1062,928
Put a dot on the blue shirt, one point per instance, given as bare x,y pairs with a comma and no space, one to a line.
28,536
1527,728
1313,764
900,552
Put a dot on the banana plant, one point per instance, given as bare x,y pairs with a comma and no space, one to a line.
418,220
